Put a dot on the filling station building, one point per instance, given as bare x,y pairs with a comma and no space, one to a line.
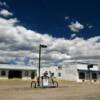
78,72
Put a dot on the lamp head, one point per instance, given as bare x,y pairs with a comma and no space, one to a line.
43,46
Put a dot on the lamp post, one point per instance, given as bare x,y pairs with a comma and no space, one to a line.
40,47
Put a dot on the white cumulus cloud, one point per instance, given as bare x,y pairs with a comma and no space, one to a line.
3,4
73,36
76,26
5,13
90,26
19,44
67,18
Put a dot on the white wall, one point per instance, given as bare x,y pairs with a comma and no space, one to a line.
69,72
23,75
83,67
26,77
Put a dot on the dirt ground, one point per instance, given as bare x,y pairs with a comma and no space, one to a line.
20,90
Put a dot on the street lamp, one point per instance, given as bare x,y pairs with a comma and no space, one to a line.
40,46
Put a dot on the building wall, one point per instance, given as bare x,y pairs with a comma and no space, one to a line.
69,72
88,76
26,75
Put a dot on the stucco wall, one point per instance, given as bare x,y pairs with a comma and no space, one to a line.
69,72
26,77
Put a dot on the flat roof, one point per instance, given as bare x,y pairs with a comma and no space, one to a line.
84,67
17,67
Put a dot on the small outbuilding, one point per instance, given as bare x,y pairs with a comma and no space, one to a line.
17,71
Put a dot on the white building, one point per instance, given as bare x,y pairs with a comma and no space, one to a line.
72,71
17,71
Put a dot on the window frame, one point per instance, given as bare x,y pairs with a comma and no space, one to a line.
59,74
80,75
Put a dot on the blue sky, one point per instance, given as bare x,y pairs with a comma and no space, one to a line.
48,16
70,29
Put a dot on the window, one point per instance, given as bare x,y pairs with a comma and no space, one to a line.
81,75
59,74
94,76
26,73
3,73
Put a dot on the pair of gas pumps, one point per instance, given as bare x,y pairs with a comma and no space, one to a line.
44,82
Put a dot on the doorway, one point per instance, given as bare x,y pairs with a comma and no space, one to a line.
15,74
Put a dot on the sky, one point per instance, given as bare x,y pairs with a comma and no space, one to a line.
69,28
49,16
